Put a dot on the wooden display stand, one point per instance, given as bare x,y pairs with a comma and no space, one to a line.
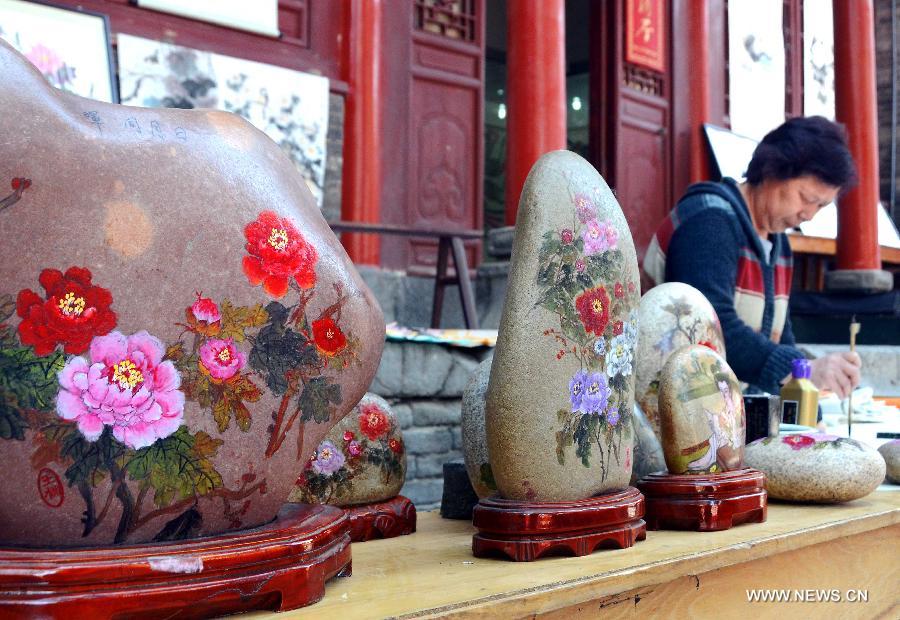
279,566
704,502
525,531
387,519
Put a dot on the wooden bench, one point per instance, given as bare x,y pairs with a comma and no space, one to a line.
450,243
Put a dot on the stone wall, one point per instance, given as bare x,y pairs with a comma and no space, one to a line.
424,383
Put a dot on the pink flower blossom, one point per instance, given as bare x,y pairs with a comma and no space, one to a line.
598,237
584,207
126,386
205,309
354,448
579,265
221,359
45,59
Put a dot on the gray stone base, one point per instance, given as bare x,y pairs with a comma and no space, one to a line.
859,280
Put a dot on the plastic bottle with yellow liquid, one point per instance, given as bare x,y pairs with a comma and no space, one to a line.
799,396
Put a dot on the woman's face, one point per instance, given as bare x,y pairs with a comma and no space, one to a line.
789,203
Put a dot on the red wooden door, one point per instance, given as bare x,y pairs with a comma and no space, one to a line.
630,127
444,132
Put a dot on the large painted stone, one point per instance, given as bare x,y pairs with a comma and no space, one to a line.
474,437
890,451
648,452
701,413
178,324
362,460
559,401
813,467
671,315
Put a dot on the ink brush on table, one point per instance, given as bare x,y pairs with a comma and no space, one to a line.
854,329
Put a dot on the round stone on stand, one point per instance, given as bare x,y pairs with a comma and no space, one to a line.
890,451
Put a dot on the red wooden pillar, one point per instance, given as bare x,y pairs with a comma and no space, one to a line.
858,253
698,102
536,89
362,146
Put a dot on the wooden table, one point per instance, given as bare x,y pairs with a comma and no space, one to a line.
812,253
855,546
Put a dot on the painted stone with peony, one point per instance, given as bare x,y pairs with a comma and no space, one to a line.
361,461
701,410
179,328
671,315
815,467
558,404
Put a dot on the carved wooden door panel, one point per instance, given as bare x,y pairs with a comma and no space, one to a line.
445,133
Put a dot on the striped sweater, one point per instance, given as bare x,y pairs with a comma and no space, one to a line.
708,241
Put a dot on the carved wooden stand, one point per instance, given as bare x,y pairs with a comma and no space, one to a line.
704,502
525,531
387,519
279,566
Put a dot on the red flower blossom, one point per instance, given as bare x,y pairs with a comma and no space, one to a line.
349,436
631,287
373,422
593,308
354,448
567,235
708,345
277,253
798,442
617,328
73,312
619,290
329,338
396,446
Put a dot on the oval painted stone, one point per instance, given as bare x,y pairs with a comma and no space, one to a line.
362,460
648,452
178,324
671,315
813,467
701,411
890,451
474,438
560,396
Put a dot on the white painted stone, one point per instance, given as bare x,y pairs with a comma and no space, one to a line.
890,451
812,467
671,315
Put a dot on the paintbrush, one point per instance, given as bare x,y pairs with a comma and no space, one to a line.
854,329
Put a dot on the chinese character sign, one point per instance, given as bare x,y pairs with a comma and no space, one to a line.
645,30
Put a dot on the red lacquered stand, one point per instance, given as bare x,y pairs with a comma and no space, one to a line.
280,566
525,531
394,517
704,502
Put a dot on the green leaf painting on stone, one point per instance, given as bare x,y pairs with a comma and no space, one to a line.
581,280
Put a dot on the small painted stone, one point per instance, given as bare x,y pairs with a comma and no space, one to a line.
362,460
671,315
474,439
813,467
891,453
559,401
701,413
648,453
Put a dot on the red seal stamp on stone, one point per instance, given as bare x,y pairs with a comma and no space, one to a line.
50,488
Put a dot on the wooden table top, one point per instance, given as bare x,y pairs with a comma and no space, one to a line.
433,573
802,244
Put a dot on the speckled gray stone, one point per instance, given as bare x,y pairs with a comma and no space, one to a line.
475,451
372,459
569,323
890,451
701,413
648,452
671,316
812,467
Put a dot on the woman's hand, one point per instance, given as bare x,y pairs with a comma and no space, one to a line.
838,372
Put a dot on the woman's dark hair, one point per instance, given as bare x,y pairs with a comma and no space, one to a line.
811,145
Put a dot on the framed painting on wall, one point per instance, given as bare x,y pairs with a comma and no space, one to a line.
71,48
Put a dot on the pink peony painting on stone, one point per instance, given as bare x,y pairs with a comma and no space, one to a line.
179,328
